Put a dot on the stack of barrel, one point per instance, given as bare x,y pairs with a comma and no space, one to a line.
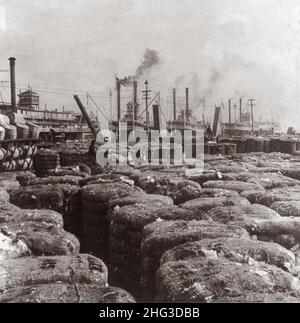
255,145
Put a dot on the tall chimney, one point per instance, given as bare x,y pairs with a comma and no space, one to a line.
187,111
229,108
241,104
156,119
119,99
13,93
174,104
135,103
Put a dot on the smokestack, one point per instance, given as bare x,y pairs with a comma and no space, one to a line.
135,103
119,99
187,112
156,119
241,104
12,64
174,104
229,108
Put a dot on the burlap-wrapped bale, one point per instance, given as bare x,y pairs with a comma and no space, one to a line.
101,178
161,236
140,198
284,231
238,250
291,172
9,184
125,237
75,158
68,171
11,248
207,203
25,179
241,177
282,225
273,180
10,213
123,170
254,196
63,198
42,238
185,194
45,160
280,194
234,185
4,196
191,193
95,199
217,192
66,293
38,197
229,168
204,280
66,179
163,184
49,270
287,208
261,298
242,215
205,177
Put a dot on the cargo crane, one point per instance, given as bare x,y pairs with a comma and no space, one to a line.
86,115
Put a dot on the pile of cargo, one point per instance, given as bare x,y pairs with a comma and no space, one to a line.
13,126
169,234
287,145
18,143
40,261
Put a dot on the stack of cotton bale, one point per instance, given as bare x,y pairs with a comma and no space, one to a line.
161,236
95,198
226,270
58,279
61,196
40,261
128,217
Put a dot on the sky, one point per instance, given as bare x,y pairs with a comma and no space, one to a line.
220,49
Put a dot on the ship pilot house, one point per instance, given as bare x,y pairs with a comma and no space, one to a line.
29,99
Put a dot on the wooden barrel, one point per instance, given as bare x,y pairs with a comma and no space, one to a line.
34,130
230,149
2,133
22,131
275,145
249,145
10,132
290,146
241,145
267,145
258,145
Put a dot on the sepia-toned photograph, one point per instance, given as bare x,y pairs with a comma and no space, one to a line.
149,154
